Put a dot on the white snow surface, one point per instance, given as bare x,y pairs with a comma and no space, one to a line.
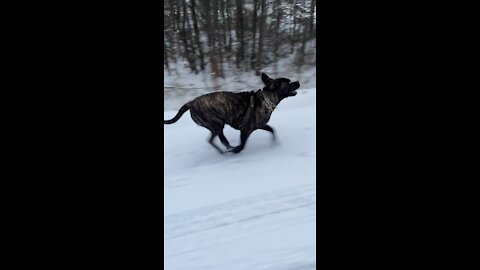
252,210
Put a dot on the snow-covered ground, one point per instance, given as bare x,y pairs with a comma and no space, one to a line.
252,210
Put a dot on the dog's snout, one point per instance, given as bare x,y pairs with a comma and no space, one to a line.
296,84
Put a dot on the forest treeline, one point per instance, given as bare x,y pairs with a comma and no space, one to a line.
249,34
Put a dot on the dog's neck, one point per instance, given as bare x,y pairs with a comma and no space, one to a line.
271,100
271,97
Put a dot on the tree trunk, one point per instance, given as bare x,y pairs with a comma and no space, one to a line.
301,53
211,40
224,24
253,59
197,34
240,53
260,39
293,37
229,27
217,38
191,51
165,56
276,42
312,10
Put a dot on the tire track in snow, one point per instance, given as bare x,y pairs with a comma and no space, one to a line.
205,227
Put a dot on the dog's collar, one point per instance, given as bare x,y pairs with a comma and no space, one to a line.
270,105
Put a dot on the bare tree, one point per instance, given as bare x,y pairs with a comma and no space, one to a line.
166,59
312,10
293,36
276,43
240,28
254,28
189,45
197,33
211,39
260,39
217,38
229,26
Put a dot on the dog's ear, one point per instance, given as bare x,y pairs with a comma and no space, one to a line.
266,80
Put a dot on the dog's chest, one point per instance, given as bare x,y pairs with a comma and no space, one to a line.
262,113
256,115
263,116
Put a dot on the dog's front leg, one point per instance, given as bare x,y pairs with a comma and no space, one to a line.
270,129
244,134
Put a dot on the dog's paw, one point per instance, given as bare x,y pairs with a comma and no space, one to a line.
275,142
235,150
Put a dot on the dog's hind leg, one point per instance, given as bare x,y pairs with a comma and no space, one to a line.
270,129
224,140
210,141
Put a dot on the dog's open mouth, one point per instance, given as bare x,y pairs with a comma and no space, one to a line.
293,88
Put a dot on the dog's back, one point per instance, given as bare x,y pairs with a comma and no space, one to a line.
220,108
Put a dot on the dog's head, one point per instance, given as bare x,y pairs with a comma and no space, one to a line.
282,86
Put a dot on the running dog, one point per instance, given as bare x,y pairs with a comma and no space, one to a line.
244,111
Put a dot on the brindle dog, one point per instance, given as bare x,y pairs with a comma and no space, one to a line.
244,111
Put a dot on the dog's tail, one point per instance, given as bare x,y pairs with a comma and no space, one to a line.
182,110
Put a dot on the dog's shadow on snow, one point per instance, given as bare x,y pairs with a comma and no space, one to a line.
257,149
260,145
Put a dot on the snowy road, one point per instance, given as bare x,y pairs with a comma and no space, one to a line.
254,210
